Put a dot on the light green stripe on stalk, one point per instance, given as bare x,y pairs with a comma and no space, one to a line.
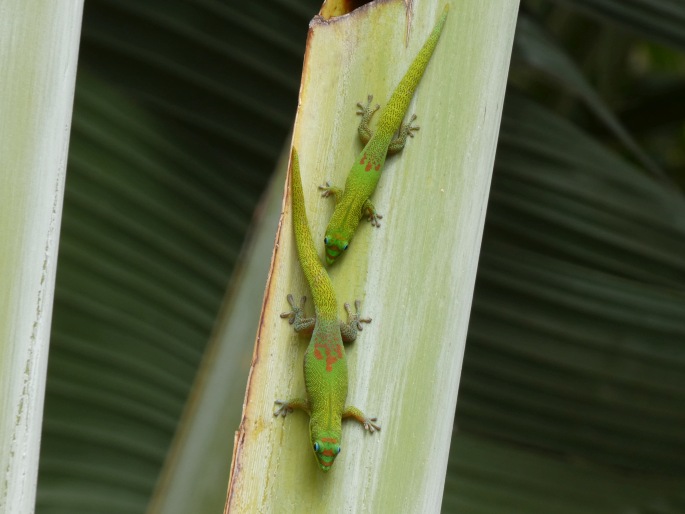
38,50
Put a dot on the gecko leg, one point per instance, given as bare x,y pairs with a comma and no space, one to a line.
349,330
296,316
329,190
369,211
406,130
368,423
366,112
286,407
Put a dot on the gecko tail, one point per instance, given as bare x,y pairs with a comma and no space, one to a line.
397,106
325,302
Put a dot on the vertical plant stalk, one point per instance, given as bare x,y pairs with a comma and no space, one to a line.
38,56
414,275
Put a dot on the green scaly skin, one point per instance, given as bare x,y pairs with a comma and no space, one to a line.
325,366
361,182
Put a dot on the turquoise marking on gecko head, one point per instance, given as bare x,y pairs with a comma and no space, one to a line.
334,247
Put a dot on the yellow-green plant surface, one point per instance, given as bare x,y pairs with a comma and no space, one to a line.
414,276
38,53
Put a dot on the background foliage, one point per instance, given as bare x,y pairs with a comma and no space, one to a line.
573,385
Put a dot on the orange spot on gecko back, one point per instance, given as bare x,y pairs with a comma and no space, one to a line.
332,353
369,164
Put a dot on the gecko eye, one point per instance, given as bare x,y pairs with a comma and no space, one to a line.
325,240
345,246
337,450
317,447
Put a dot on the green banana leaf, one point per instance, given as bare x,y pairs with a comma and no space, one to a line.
661,20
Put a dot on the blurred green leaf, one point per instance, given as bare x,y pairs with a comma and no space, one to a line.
660,20
486,476
575,337
538,51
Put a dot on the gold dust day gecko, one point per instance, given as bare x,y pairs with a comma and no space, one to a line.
353,202
325,365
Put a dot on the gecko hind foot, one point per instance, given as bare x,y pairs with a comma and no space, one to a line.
366,112
406,130
296,309
355,319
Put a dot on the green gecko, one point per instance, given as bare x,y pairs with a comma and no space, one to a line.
325,366
361,182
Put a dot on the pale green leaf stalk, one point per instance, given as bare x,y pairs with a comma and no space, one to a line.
38,55
415,275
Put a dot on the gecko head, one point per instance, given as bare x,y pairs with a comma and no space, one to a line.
326,447
336,243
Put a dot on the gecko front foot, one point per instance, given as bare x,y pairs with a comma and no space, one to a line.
371,425
329,190
368,423
371,214
284,408
374,218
